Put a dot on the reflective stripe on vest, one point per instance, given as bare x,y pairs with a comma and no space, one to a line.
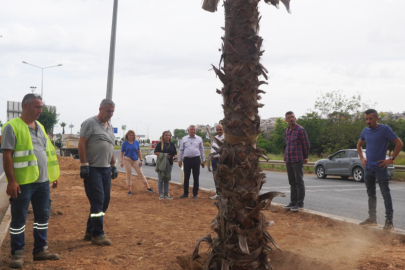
101,214
24,164
23,153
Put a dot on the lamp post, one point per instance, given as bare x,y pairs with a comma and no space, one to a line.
42,68
136,126
148,125
33,89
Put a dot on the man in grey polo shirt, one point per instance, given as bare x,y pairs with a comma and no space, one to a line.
97,167
192,153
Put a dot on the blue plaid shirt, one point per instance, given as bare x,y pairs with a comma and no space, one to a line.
297,148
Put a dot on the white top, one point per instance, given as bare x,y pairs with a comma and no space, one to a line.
221,138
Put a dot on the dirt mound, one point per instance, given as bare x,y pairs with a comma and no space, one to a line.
68,163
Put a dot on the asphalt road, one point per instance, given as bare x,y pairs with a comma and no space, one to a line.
336,196
332,195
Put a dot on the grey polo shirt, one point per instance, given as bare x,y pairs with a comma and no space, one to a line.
100,144
38,139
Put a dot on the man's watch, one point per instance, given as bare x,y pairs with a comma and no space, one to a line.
392,158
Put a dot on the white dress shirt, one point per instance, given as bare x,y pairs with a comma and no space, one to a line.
191,147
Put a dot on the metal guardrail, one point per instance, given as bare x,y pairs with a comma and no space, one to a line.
398,168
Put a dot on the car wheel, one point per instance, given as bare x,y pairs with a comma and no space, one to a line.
153,162
320,172
358,174
345,177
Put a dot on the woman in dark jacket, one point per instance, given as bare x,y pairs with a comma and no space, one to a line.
165,146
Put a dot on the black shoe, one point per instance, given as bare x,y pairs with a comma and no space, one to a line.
369,222
388,225
295,208
195,197
183,196
289,206
150,190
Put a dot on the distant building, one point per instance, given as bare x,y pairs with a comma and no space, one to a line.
268,124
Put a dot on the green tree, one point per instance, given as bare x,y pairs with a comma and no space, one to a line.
263,143
398,126
179,133
277,139
48,118
314,125
63,125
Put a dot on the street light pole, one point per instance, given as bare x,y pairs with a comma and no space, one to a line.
112,52
42,84
33,89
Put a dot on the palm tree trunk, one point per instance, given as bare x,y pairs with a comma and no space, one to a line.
242,238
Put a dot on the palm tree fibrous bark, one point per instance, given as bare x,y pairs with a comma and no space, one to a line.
242,239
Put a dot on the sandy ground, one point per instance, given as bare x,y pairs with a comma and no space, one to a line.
150,234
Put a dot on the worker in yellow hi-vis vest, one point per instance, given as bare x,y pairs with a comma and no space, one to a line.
30,163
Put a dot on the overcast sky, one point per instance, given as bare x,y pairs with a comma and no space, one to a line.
164,52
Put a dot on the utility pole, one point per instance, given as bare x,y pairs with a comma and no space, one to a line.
112,53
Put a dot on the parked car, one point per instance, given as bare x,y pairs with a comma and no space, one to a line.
151,158
344,163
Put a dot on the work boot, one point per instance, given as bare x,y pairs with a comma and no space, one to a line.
87,236
369,222
100,241
17,260
388,225
45,255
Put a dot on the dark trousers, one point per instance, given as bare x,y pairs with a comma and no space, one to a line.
383,177
38,195
214,163
194,165
295,178
98,190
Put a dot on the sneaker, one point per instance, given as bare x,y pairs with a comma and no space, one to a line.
45,255
369,222
215,197
183,196
17,260
289,206
195,197
295,208
167,197
129,193
161,197
388,225
150,190
87,236
100,241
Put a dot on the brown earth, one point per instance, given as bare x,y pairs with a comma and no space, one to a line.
150,234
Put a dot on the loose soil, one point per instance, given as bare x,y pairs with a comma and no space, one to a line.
148,233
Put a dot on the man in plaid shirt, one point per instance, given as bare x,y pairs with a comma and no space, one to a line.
296,154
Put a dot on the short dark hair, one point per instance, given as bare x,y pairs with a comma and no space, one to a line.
288,113
29,97
369,111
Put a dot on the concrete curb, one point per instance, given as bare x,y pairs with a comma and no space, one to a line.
4,225
5,222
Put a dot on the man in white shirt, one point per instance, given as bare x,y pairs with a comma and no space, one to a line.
192,153
214,161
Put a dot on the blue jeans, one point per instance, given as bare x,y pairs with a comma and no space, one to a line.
164,184
38,194
214,163
98,190
383,177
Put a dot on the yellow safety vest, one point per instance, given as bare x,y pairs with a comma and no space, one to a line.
25,162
